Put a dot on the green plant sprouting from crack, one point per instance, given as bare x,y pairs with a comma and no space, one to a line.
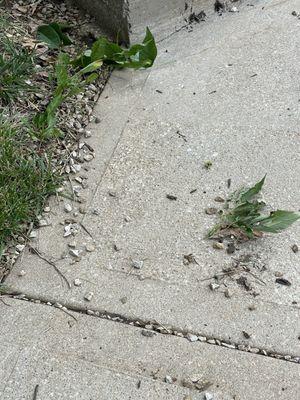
242,214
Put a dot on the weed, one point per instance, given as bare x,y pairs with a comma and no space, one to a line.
243,213
67,85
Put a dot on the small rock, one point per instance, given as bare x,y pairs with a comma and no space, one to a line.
169,379
278,274
137,264
218,246
252,307
88,157
22,273
68,208
246,335
90,248
72,245
234,9
294,13
283,281
202,338
123,300
228,293
219,199
171,197
97,120
214,286
82,210
33,234
77,282
20,247
90,312
187,398
191,337
211,211
230,248
89,296
149,334
74,253
295,248
43,222
208,396
47,209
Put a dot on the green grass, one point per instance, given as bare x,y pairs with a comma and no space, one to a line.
26,180
16,68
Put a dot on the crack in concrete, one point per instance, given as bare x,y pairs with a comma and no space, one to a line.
155,327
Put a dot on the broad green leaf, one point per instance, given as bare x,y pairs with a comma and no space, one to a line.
277,221
250,193
48,35
53,35
105,50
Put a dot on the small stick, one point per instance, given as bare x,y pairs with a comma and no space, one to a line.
52,264
35,393
85,229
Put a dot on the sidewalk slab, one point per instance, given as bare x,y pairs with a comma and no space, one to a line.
230,89
96,359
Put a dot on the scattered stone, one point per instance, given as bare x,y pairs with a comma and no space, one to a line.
294,13
230,248
43,223
243,281
88,157
228,345
214,286
148,334
234,9
219,199
20,247
228,293
82,210
202,338
97,120
252,307
74,253
137,264
211,341
187,398
169,379
218,246
246,335
90,312
72,245
22,273
211,211
68,208
278,274
123,300
189,259
90,248
77,282
88,296
191,337
47,209
208,396
33,234
295,248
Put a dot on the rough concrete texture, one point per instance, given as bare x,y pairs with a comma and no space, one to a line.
91,358
227,92
110,15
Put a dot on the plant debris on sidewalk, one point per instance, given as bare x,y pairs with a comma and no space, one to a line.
242,216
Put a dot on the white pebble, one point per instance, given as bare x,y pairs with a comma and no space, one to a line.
77,282
22,272
89,296
68,208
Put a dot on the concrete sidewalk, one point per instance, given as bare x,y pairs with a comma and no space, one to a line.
228,92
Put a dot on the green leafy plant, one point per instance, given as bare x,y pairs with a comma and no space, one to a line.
16,68
138,56
243,214
53,35
67,85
